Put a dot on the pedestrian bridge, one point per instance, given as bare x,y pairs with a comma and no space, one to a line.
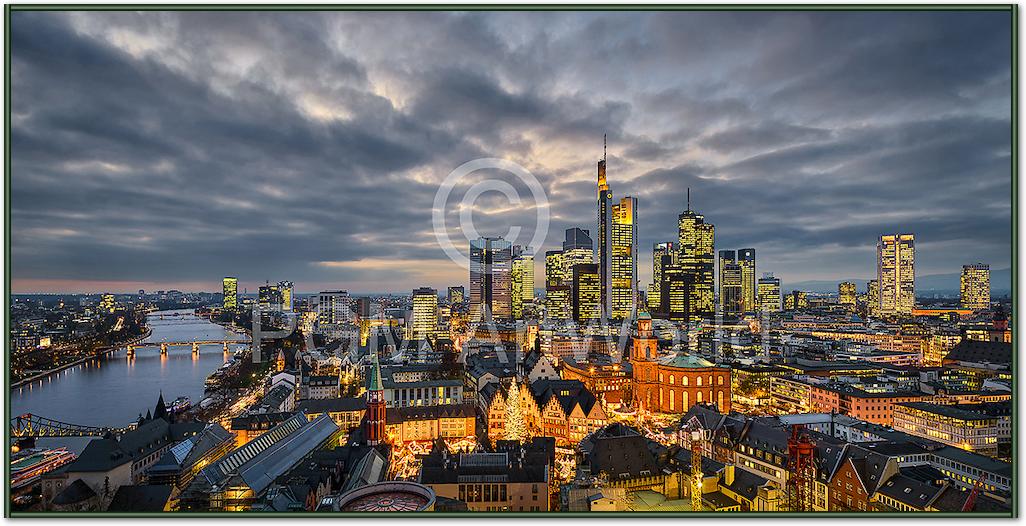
194,343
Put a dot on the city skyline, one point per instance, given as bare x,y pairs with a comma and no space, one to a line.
748,128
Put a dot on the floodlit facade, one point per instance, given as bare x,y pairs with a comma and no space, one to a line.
696,258
769,293
425,313
624,258
230,288
749,291
658,251
896,274
975,286
586,293
846,294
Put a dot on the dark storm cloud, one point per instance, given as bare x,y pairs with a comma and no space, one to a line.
175,148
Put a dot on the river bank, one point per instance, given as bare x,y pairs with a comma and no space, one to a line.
104,352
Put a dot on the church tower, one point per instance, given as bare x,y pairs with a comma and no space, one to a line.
375,418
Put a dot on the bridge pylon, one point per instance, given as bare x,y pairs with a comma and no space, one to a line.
163,349
195,348
131,351
226,347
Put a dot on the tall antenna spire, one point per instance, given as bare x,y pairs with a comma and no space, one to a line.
603,147
689,199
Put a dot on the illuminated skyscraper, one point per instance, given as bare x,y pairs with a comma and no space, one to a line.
490,284
872,297
269,297
230,288
287,291
624,258
521,282
577,248
696,259
658,251
896,274
749,293
976,286
730,284
585,292
769,293
456,295
796,300
675,291
425,313
604,241
846,295
557,294
107,303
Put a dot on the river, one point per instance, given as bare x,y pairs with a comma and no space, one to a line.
113,390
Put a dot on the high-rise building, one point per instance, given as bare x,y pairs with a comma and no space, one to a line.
769,293
287,291
846,294
796,300
749,293
333,307
456,295
578,238
872,297
557,293
585,292
624,259
975,286
490,284
425,313
675,291
603,241
230,288
269,297
658,251
730,284
696,259
107,303
521,283
896,274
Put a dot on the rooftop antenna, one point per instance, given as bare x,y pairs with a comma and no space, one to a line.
689,199
603,147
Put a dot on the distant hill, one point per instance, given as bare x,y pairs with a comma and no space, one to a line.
1000,283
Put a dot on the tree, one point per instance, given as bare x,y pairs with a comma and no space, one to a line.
514,414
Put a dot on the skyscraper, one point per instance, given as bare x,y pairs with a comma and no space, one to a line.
975,286
730,284
696,259
269,297
490,285
107,303
749,293
521,282
230,288
604,242
557,294
425,313
846,295
675,291
796,300
586,295
658,251
895,274
333,307
769,293
872,297
624,259
287,291
455,295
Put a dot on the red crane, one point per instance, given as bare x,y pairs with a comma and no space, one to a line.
800,452
970,502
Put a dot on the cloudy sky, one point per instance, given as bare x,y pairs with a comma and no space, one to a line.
166,150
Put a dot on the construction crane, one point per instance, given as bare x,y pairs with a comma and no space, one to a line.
970,502
694,434
801,467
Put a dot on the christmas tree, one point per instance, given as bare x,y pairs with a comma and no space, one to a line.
514,414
